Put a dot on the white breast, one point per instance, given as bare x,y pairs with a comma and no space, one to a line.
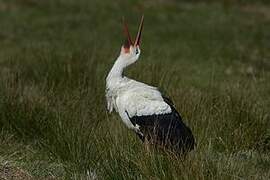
131,98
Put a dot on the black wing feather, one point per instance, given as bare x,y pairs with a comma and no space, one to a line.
166,129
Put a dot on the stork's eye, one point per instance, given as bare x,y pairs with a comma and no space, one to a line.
137,51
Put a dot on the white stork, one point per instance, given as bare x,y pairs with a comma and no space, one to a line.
142,107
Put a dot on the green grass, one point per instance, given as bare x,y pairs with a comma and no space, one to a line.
211,58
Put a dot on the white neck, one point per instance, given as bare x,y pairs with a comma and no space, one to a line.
117,69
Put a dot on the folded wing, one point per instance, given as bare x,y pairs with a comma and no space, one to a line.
144,102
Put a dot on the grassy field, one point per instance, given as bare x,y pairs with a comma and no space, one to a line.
210,57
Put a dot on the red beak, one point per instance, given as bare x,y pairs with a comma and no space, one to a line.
138,38
129,41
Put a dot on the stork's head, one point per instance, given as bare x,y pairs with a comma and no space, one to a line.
130,51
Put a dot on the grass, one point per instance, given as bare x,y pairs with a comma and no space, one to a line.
211,58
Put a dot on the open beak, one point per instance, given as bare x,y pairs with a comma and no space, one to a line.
138,38
129,41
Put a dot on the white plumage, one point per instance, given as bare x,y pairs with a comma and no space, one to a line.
142,107
132,98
